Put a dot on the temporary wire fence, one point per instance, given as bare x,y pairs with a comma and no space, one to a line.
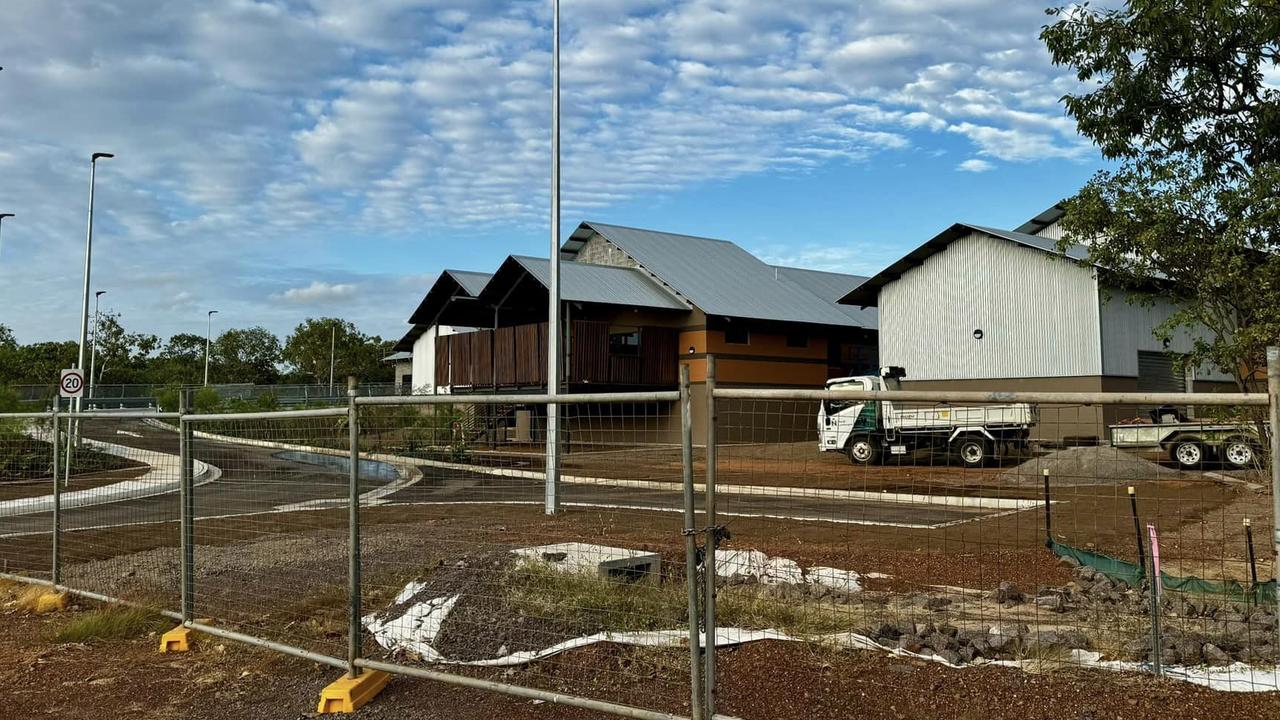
822,539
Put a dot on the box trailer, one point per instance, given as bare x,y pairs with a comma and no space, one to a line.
1190,442
867,431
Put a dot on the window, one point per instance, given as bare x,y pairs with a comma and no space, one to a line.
797,339
737,336
624,342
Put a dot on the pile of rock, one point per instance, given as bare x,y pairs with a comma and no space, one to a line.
965,645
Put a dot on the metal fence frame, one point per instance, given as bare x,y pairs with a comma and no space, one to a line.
700,571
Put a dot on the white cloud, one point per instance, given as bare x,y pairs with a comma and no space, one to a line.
318,293
250,133
975,165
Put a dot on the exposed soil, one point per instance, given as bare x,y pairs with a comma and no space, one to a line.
758,681
88,481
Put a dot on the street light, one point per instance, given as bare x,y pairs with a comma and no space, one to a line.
208,333
97,323
88,264
552,489
4,215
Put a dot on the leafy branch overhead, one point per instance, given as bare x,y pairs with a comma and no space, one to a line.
1177,93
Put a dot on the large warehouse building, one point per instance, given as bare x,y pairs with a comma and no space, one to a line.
977,308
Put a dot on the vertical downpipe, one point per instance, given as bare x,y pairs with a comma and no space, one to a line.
690,544
709,569
354,636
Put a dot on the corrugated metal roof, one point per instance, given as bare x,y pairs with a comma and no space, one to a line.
867,294
1042,221
832,286
580,282
471,282
717,276
398,356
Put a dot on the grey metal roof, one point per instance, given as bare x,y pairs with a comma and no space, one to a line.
717,276
867,294
1042,221
604,284
470,281
831,286
399,356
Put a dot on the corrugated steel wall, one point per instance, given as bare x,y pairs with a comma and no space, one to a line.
1052,231
1127,329
1038,315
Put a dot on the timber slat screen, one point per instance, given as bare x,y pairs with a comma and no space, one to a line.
515,357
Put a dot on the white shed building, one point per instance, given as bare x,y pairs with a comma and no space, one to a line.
977,308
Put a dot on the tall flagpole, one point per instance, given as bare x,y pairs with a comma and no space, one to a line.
553,310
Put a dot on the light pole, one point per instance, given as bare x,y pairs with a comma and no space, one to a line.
93,353
3,216
333,338
552,489
88,265
208,333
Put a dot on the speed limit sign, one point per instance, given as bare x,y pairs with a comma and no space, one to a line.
71,385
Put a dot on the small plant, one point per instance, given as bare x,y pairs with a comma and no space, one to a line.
110,623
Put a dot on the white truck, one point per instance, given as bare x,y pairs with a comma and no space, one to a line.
868,431
1191,442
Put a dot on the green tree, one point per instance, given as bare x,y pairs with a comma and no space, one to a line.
307,350
249,355
125,355
1174,93
181,361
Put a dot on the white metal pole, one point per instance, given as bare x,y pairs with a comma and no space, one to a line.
208,334
3,216
333,337
553,310
1273,400
93,352
84,304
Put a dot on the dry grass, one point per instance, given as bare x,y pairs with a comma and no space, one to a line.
26,598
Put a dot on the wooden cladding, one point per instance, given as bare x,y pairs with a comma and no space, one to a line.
517,357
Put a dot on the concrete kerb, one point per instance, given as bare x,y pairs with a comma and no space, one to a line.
406,468
953,501
156,481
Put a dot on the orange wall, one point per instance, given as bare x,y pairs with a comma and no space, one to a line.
765,360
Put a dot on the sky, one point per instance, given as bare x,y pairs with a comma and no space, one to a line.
282,160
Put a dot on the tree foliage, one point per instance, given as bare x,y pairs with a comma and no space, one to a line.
1175,92
249,355
307,350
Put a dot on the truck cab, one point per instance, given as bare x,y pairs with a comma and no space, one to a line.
867,430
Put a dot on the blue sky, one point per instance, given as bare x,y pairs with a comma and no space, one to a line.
279,160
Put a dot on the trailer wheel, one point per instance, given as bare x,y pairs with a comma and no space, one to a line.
1239,452
1187,452
973,451
862,450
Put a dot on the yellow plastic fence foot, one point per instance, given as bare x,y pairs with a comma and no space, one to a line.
50,602
348,694
176,640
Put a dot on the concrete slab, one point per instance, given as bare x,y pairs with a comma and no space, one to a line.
609,562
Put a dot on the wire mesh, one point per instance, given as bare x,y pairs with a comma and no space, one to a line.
463,570
269,533
26,482
909,539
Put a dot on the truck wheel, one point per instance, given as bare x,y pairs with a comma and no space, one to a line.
973,451
863,450
1239,453
1188,453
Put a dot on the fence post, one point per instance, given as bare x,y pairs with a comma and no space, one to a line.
56,551
713,537
186,509
354,636
1273,396
690,544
